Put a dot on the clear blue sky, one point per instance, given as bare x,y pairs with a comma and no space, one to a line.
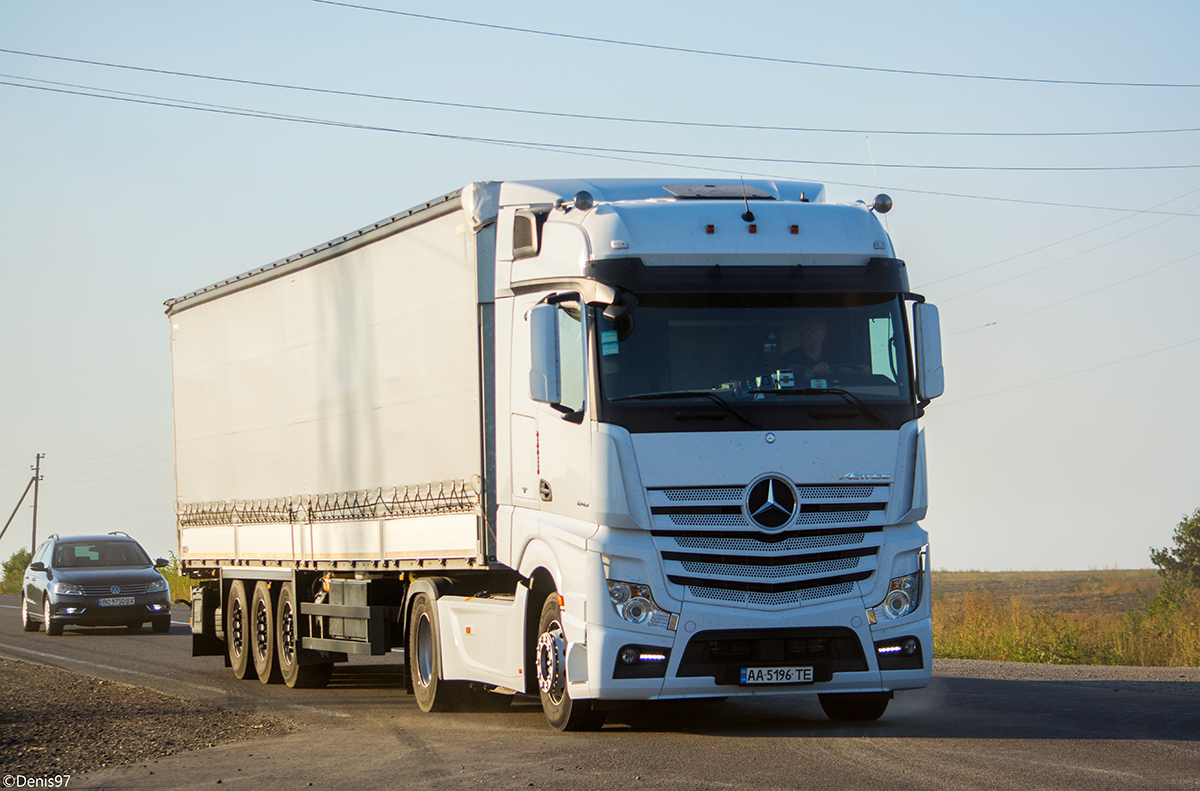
1067,435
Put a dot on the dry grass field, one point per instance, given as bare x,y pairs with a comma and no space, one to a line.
1063,617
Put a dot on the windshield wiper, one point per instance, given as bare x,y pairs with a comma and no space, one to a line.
687,394
846,395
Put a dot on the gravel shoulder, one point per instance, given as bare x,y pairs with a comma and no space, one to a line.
1167,680
54,722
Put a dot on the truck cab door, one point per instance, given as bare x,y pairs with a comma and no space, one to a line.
558,383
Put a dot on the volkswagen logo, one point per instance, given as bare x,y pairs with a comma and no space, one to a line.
115,589
771,502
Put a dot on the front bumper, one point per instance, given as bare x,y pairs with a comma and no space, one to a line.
71,610
704,656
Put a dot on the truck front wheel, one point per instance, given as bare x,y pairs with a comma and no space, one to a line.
425,661
562,712
855,707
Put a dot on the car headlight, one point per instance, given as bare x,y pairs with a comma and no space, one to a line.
903,596
635,604
157,585
66,588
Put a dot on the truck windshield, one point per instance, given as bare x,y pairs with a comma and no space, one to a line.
829,361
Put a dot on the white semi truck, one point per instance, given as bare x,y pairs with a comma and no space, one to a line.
598,441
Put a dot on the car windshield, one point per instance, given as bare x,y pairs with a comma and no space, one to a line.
750,348
93,554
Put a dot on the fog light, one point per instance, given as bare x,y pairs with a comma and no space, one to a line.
629,655
70,610
910,646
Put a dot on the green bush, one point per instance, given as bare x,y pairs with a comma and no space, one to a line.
14,571
1179,567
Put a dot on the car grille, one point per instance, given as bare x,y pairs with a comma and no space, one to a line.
132,589
708,546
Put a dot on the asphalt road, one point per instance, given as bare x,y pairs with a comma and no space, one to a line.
982,725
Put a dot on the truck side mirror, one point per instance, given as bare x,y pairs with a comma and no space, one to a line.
545,374
931,381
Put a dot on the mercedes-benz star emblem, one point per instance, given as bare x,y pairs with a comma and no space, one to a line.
771,502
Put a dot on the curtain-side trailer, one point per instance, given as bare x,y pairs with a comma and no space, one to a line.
595,441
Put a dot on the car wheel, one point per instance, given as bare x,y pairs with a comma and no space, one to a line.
134,626
161,625
53,627
27,622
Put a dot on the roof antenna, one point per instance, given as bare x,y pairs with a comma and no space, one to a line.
749,215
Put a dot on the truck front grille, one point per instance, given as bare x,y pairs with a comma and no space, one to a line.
709,547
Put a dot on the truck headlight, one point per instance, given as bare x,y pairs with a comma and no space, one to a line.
903,596
635,604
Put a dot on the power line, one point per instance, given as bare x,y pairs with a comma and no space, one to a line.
118,453
1072,299
1059,261
564,147
760,58
1072,373
589,117
1060,241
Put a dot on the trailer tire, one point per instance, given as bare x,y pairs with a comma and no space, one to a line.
562,712
425,661
287,645
262,636
237,631
854,707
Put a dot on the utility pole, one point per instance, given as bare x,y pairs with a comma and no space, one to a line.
37,476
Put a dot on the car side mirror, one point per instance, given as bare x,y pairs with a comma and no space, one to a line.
38,566
931,380
545,375
161,563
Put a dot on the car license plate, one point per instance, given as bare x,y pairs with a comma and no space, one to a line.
777,675
117,601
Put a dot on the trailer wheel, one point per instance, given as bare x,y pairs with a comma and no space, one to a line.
287,645
854,707
237,631
262,636
562,712
425,662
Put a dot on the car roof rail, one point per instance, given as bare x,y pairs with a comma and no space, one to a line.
119,533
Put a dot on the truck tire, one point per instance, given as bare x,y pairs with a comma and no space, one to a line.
424,658
855,707
237,631
562,712
53,627
287,645
262,634
27,622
